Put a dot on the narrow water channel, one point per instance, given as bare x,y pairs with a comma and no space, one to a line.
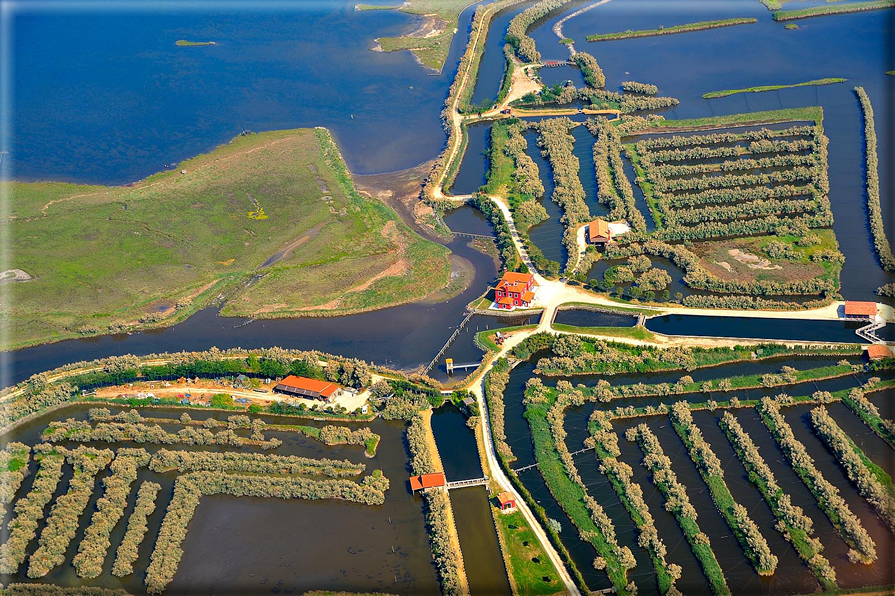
482,558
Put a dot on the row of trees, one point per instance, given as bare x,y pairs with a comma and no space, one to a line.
868,412
642,88
590,70
608,547
732,165
863,473
678,503
13,467
753,302
53,590
109,510
874,207
613,187
137,525
718,196
165,460
62,524
847,524
495,384
117,432
189,488
792,523
502,235
439,519
737,517
751,209
557,145
29,510
732,180
720,138
620,475
517,31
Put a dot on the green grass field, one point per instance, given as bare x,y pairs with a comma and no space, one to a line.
431,50
701,26
162,247
530,570
831,9
760,89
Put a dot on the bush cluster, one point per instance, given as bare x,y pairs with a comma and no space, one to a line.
495,384
863,549
62,524
517,31
792,522
874,207
641,88
737,517
851,460
613,187
109,510
165,460
128,550
590,70
29,510
13,467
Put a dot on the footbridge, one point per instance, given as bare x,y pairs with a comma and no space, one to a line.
473,236
535,465
868,331
483,481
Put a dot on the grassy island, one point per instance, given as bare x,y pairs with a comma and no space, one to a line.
686,28
157,250
762,88
183,43
828,9
430,42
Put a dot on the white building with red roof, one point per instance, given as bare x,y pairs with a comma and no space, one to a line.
515,290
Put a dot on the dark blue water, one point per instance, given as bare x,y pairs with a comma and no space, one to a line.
493,64
547,235
474,166
856,46
836,331
584,151
592,318
105,96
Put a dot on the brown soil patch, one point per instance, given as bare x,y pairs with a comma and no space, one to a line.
286,251
741,260
401,191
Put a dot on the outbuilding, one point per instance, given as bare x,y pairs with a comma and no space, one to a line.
506,501
860,310
878,352
427,481
308,388
598,232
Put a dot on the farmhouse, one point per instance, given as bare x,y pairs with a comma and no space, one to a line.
515,290
308,388
427,481
598,232
860,310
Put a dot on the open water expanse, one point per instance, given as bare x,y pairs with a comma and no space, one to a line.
102,95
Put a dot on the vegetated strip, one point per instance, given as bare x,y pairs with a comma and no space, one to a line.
793,524
517,30
439,516
165,460
605,443
128,550
811,113
544,410
759,89
13,466
189,488
857,401
679,504
872,482
874,206
29,510
109,510
62,524
847,524
754,545
53,590
828,9
494,388
700,26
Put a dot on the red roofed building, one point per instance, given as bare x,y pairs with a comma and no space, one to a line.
515,290
427,481
308,388
860,310
507,501
598,232
878,352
